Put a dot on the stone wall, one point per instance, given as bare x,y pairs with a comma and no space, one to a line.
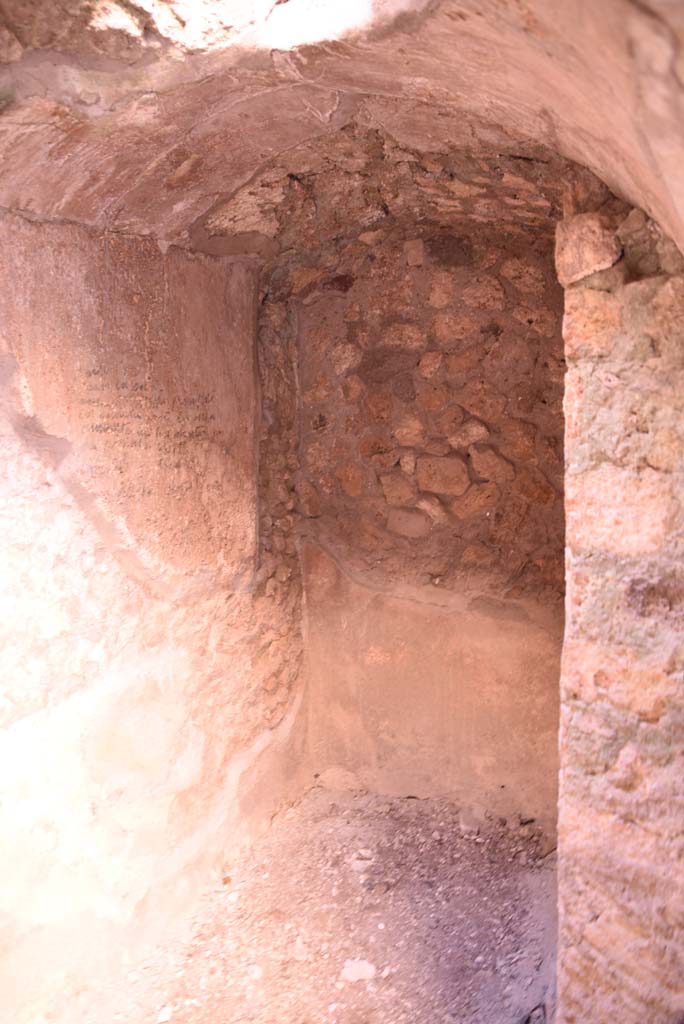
622,770
431,372
145,674
411,321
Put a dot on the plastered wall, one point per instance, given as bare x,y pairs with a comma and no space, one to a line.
138,708
423,692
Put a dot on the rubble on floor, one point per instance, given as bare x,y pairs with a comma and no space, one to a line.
361,909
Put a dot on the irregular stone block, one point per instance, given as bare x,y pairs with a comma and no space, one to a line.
585,244
481,399
430,364
351,479
409,431
433,397
450,420
445,475
484,293
478,499
433,507
534,488
406,336
309,499
525,276
397,488
345,357
442,290
489,465
451,327
461,363
472,432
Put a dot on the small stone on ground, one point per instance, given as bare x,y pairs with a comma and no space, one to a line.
360,909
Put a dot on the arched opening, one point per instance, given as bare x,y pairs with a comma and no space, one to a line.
411,466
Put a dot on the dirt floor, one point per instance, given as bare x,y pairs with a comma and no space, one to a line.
359,909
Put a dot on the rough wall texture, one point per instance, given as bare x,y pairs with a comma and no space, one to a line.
431,374
413,429
416,295
125,136
599,83
138,701
622,770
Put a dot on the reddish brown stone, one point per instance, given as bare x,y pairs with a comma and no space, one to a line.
527,277
409,430
534,488
450,420
489,465
379,405
320,391
345,357
309,499
352,388
459,364
471,432
446,475
433,398
405,336
482,400
523,398
477,500
408,462
510,359
476,555
375,443
508,521
435,447
414,252
404,387
542,321
451,328
442,290
430,364
398,488
484,293
386,460
351,479
518,439
433,507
